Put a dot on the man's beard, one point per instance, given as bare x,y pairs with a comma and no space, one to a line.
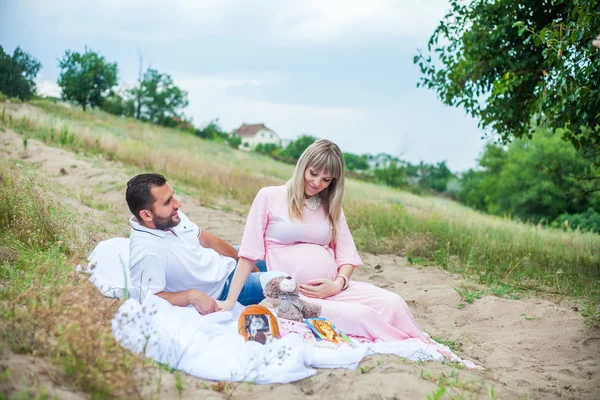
164,223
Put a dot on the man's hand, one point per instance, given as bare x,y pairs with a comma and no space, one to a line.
202,302
322,288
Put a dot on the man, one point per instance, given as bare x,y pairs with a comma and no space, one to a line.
169,256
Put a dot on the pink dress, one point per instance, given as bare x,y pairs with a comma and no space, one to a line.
304,250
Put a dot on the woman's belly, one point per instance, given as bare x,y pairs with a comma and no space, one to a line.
303,261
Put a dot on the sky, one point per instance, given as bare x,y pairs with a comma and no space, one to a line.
337,69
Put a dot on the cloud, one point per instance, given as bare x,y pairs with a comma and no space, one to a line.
416,127
224,97
316,67
142,20
48,88
288,21
316,20
230,81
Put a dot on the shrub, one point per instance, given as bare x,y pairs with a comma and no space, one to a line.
235,141
587,221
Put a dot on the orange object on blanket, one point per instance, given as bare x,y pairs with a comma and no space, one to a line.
259,324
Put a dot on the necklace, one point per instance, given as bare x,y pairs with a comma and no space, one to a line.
313,202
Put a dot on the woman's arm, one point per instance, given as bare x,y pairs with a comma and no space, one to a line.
347,270
324,288
240,276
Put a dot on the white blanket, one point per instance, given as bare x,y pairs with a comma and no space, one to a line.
209,346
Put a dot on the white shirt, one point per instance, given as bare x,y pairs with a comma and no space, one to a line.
174,261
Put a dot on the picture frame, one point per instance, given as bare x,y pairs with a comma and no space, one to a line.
257,323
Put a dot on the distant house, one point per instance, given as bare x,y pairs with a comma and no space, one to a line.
255,134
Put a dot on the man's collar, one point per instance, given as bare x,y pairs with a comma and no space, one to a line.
135,225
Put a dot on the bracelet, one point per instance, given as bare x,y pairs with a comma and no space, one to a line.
346,281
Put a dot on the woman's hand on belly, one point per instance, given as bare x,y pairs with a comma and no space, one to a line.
321,288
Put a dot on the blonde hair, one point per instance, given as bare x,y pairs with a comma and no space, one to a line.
323,156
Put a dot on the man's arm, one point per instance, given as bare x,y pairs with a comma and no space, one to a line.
211,241
203,303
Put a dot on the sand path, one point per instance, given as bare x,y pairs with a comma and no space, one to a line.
549,354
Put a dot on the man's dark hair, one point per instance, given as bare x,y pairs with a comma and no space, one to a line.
139,192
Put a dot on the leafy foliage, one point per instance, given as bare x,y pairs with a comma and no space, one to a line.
213,131
235,141
508,63
536,180
267,148
114,104
297,147
17,74
355,162
393,171
86,78
430,176
157,99
586,221
391,174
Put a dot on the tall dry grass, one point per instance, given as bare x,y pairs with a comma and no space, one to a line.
490,249
46,308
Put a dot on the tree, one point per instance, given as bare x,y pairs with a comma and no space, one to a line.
157,99
434,177
86,78
392,173
295,149
509,63
532,180
355,162
17,74
114,104
479,187
212,131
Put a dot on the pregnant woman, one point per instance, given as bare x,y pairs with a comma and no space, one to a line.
301,230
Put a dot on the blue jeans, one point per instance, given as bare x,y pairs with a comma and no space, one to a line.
252,292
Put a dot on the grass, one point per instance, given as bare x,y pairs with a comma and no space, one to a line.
452,385
45,308
453,344
528,317
490,250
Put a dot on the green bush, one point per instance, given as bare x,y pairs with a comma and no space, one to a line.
534,180
268,148
234,141
587,221
113,104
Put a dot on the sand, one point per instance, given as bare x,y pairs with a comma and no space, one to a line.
532,347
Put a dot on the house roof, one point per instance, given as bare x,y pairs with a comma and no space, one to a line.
248,130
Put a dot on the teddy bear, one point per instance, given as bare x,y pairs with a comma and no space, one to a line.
281,293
